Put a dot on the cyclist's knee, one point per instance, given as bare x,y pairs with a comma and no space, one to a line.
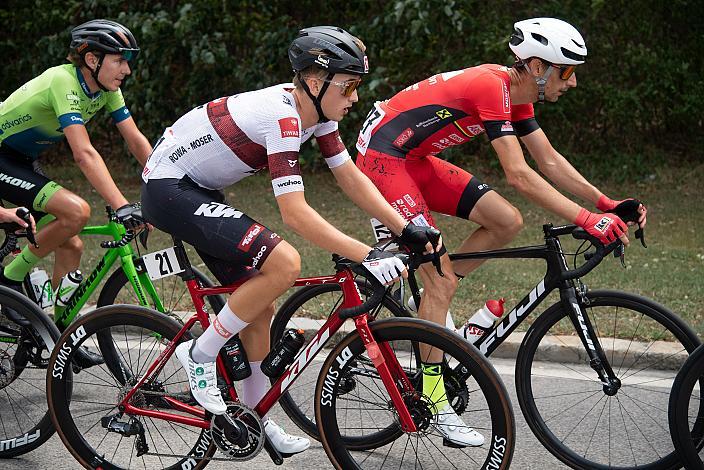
74,212
435,285
506,225
283,264
74,244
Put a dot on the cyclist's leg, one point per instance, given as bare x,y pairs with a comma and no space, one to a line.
68,214
67,257
401,182
464,195
221,231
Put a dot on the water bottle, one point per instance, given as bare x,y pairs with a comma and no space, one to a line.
236,358
41,285
283,353
482,320
67,286
449,322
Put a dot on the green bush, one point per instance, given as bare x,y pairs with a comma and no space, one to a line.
638,103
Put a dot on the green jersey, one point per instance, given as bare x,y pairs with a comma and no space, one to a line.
34,117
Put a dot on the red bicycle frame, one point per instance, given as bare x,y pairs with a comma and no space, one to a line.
383,358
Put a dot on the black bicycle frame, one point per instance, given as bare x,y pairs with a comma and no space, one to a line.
558,276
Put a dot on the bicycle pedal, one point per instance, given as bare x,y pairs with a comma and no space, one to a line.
448,443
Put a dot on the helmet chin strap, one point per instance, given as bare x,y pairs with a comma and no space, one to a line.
94,73
317,99
540,81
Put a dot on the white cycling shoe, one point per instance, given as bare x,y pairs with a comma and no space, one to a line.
454,430
285,443
202,380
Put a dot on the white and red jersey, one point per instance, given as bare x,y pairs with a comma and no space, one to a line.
230,138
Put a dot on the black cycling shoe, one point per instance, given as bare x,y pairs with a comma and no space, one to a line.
11,313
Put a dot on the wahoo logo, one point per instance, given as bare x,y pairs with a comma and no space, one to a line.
253,232
258,257
292,163
16,181
215,209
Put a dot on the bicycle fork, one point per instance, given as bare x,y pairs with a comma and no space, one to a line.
590,340
389,370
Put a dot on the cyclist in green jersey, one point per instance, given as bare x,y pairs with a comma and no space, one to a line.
57,104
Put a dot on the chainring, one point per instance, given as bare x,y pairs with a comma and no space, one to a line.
239,433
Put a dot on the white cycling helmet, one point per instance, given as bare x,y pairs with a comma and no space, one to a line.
550,39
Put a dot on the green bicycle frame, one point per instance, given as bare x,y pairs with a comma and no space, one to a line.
139,279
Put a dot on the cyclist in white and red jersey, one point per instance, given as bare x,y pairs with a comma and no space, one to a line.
230,138
401,137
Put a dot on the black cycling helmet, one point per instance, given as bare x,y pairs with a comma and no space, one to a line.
330,48
107,37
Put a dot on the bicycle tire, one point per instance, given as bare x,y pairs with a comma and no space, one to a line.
571,439
684,416
488,403
26,423
297,401
77,427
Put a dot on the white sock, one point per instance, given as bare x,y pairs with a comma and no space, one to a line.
255,387
226,325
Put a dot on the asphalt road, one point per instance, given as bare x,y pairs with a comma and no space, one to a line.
529,453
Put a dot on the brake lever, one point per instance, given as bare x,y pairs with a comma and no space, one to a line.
24,214
437,264
620,252
640,235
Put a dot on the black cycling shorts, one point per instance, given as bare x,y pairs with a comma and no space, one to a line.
229,241
23,183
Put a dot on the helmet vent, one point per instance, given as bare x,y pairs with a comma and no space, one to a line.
541,39
571,55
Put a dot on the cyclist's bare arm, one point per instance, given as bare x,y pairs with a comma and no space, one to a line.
528,182
138,144
92,165
366,196
305,221
556,167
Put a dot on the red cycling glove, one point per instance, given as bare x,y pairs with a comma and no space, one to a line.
606,204
605,227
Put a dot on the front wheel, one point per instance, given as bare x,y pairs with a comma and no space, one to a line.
473,388
685,411
583,423
24,352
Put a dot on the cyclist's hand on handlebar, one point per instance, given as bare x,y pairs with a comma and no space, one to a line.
630,210
15,215
605,227
421,238
384,266
130,215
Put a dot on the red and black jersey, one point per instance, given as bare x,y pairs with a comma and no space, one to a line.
445,110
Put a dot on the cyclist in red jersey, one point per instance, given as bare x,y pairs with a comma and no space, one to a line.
400,138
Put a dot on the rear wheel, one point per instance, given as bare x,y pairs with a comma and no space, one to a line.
89,422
